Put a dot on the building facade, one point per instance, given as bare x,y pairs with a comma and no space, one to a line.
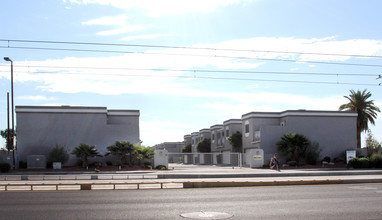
39,129
173,148
334,131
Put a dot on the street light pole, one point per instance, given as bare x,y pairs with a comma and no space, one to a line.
13,118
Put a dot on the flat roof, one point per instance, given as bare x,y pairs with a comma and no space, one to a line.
214,127
233,121
75,109
299,113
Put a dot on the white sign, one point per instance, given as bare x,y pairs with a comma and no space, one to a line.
349,155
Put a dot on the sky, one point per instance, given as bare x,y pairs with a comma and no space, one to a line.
188,65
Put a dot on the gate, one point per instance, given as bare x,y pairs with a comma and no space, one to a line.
220,159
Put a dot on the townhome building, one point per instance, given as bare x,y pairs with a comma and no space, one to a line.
334,131
217,143
230,155
173,149
187,139
205,158
187,159
40,128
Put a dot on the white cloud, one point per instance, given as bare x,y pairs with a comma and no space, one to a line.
273,47
149,36
115,20
155,132
122,30
126,80
156,8
119,21
35,98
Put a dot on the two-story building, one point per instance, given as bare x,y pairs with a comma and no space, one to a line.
334,131
40,128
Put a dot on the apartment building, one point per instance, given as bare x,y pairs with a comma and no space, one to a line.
334,131
40,128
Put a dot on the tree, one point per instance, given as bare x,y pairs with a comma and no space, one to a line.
204,146
372,145
83,151
367,111
58,154
120,149
236,140
4,134
294,145
186,149
141,153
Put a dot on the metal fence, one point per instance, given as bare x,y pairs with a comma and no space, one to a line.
221,159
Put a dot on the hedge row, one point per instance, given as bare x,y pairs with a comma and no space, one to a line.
374,161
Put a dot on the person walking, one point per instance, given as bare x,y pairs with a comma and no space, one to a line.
275,162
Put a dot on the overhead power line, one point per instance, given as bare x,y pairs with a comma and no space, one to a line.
197,70
185,47
204,77
186,54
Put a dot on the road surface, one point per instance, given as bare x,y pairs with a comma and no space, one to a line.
358,201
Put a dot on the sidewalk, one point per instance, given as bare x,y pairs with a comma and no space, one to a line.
189,176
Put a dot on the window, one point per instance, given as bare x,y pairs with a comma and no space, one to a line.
227,133
247,128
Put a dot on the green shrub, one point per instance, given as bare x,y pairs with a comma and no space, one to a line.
376,160
338,160
327,159
365,162
354,163
58,154
23,164
186,149
359,162
5,167
301,162
147,165
292,163
161,167
313,154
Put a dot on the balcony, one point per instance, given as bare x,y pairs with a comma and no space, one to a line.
256,137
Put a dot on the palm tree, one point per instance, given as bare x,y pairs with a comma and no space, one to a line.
367,111
83,151
293,144
141,153
120,149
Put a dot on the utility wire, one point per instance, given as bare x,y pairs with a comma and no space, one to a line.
209,78
184,47
194,70
192,55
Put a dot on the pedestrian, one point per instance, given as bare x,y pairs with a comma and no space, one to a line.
275,162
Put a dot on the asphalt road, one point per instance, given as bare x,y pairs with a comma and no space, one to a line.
363,201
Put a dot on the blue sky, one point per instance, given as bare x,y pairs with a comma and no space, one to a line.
283,55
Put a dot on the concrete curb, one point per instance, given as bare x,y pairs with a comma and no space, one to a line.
187,184
276,183
278,174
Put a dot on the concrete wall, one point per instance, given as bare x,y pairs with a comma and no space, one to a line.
41,128
334,131
171,147
215,134
205,134
231,126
